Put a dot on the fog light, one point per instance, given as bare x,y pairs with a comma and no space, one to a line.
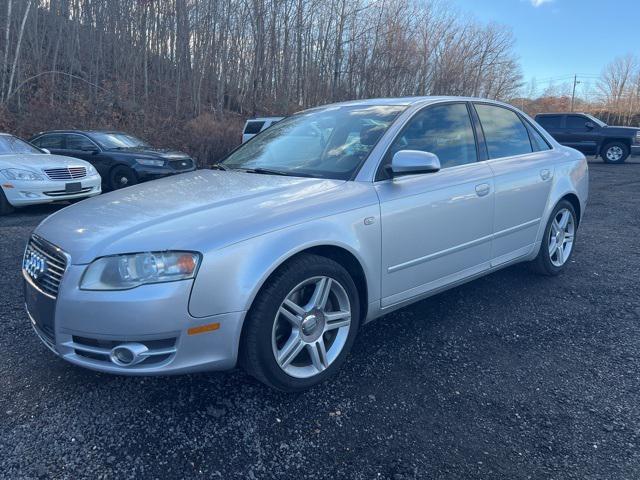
128,354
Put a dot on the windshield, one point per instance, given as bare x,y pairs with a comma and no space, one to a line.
329,142
596,121
118,141
11,145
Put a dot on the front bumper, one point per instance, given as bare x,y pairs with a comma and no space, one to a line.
88,325
145,173
21,193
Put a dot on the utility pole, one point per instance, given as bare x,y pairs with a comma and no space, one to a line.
573,94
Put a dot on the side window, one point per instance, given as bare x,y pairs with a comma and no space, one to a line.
48,141
538,142
550,122
78,142
441,129
253,128
576,123
504,132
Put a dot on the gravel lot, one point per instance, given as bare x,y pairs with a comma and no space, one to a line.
511,376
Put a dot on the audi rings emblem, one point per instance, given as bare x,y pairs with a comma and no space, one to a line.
34,264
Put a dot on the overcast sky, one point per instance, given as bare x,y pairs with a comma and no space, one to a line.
556,38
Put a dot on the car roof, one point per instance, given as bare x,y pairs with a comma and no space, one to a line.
560,113
263,119
409,101
85,132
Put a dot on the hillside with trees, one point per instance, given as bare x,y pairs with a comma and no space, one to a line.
186,73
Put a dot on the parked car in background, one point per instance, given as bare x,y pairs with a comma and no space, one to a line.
256,125
591,136
29,176
278,256
121,159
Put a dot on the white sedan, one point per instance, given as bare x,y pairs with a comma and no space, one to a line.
29,176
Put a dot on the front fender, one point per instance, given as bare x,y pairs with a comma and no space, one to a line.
230,278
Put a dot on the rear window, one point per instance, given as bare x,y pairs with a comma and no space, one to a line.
549,121
48,141
253,127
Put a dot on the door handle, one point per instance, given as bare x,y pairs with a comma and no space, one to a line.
545,174
483,189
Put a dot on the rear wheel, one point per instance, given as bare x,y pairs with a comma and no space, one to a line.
301,325
558,240
122,177
615,152
5,206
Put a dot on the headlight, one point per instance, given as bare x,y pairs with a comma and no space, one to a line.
91,170
122,272
150,163
19,174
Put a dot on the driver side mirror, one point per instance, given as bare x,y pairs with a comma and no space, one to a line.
90,149
411,162
590,125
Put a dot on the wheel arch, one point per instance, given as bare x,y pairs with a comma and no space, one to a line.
607,141
572,198
338,253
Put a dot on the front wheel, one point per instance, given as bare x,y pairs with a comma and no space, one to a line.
615,152
122,177
558,240
301,325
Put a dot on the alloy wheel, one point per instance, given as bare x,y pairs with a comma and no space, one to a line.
311,327
614,153
561,236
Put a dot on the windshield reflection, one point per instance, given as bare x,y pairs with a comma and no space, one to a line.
330,142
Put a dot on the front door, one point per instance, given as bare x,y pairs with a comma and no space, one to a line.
579,136
436,227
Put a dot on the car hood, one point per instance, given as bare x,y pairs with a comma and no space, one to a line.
626,131
201,211
153,153
39,161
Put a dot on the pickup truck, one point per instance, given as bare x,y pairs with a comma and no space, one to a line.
591,136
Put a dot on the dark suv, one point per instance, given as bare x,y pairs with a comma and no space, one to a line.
591,136
120,158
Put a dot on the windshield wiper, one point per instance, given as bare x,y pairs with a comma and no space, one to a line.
219,166
268,171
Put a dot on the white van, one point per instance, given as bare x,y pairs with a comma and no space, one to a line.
256,125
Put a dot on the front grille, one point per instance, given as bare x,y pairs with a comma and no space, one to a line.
183,164
67,173
44,264
60,193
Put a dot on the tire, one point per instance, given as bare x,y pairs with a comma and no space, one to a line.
615,152
121,177
5,206
548,260
267,332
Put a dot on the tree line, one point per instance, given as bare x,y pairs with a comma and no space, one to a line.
177,70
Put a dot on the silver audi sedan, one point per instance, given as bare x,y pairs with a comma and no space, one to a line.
329,219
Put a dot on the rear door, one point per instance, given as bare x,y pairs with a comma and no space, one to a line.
552,124
436,227
523,171
51,141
